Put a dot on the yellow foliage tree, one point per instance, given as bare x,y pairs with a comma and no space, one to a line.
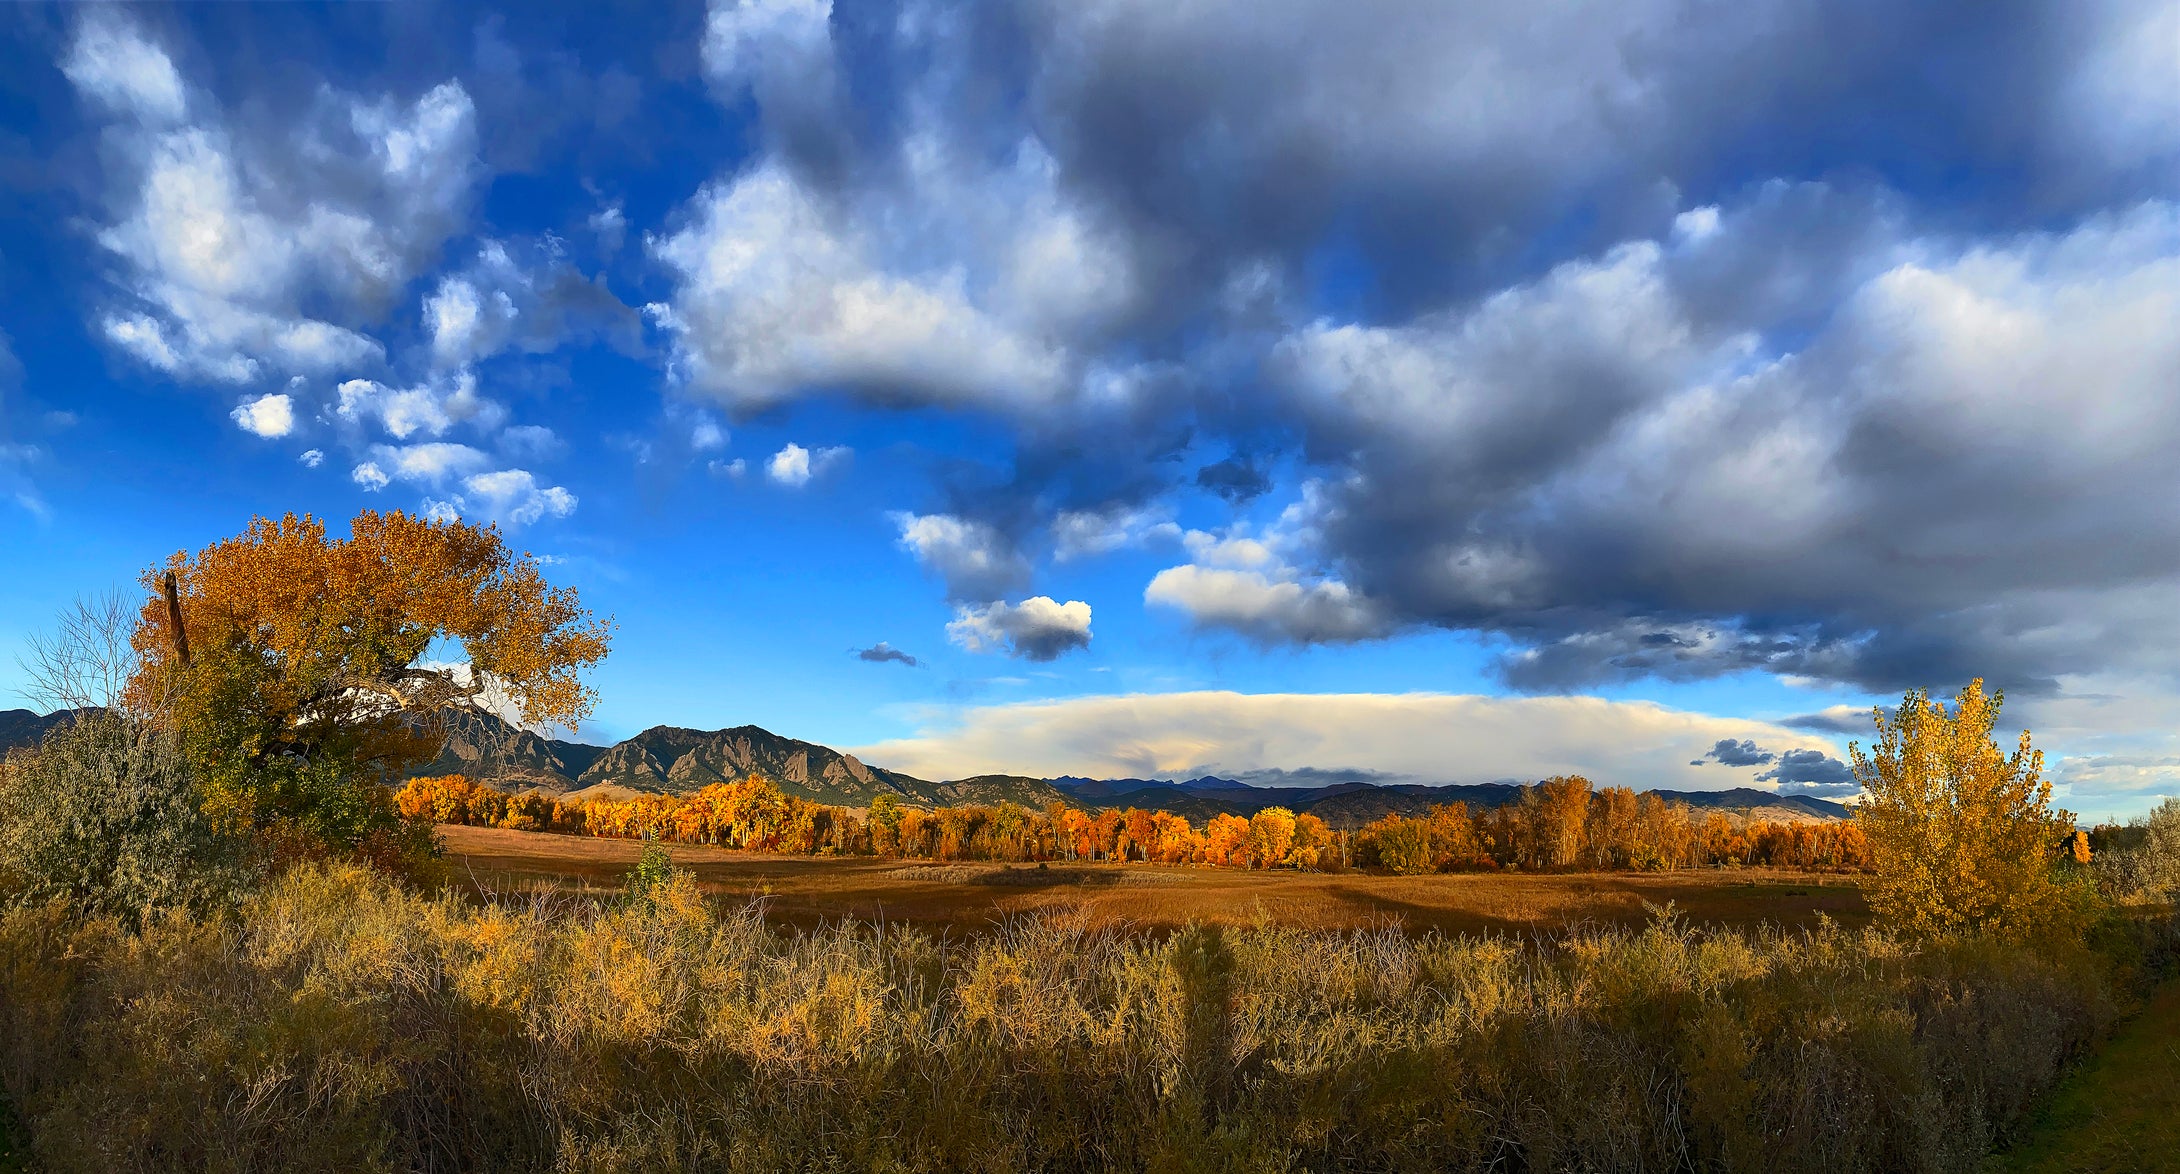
1962,835
298,681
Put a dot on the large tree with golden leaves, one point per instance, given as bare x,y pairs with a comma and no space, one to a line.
297,681
1962,835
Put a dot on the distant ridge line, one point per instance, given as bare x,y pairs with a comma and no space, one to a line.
677,760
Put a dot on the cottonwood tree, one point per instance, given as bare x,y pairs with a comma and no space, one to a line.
1962,835
297,685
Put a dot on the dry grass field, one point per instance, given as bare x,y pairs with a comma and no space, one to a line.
804,891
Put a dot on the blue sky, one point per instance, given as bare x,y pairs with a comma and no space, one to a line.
1404,390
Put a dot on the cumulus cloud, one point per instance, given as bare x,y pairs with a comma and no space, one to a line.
370,476
884,653
237,254
113,63
1731,753
1086,533
1267,609
1594,467
311,458
1811,772
525,297
429,464
974,558
779,292
1038,628
514,496
1417,737
269,416
794,465
430,408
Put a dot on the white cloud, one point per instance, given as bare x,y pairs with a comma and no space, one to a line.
370,476
1267,609
1038,628
794,465
778,295
311,458
976,560
238,255
430,408
514,496
1419,737
268,416
426,464
113,62
1087,533
530,441
745,39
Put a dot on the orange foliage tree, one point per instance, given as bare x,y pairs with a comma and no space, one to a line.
298,682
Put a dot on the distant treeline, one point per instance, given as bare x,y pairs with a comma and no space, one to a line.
1561,823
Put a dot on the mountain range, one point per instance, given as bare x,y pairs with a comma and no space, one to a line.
673,760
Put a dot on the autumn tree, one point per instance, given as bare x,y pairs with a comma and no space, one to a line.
1962,836
1271,836
298,685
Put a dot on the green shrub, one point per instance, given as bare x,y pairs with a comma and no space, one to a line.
104,815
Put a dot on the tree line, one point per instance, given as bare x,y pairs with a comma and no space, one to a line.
1562,823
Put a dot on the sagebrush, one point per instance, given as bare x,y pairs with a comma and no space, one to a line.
341,1022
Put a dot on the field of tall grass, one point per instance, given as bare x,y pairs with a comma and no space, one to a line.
340,1021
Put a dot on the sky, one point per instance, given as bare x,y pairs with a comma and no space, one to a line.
1291,389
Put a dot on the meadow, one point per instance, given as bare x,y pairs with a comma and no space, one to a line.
807,891
229,943
343,1021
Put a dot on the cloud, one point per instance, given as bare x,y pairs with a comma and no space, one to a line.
523,296
1266,609
1836,719
269,416
1811,772
1235,479
111,62
2134,779
1038,628
1731,753
884,653
426,464
370,476
1594,467
431,408
1416,737
1087,533
1245,584
794,465
239,254
779,292
514,496
975,560
311,458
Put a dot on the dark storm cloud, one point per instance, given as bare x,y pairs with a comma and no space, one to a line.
1625,335
1235,479
1731,753
1837,720
1809,769
884,653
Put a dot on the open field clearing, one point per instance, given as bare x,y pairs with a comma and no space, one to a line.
801,890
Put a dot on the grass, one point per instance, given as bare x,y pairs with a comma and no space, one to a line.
340,1022
2120,1113
807,891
